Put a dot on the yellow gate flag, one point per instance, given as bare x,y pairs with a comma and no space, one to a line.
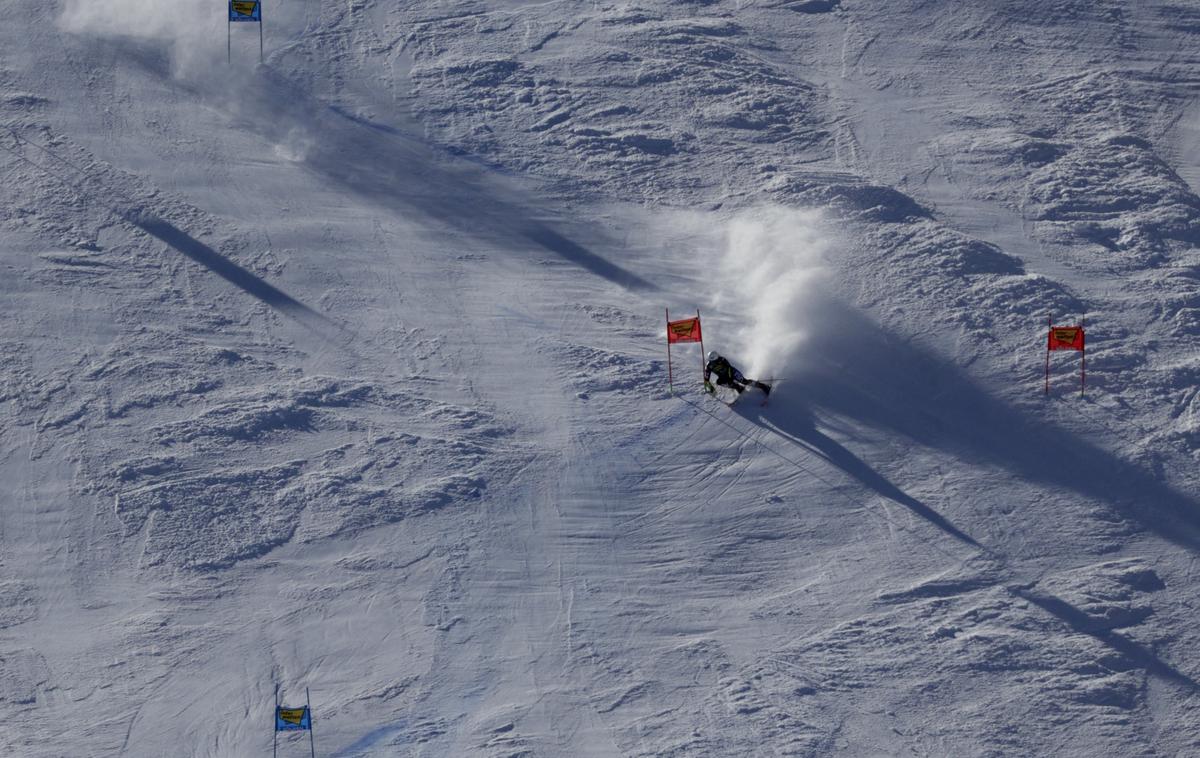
287,719
245,10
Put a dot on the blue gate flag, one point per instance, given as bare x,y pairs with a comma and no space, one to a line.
245,10
288,719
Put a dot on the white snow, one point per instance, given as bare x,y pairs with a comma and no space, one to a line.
347,372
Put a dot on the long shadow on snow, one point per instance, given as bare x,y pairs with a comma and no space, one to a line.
801,429
1081,623
386,167
853,368
248,282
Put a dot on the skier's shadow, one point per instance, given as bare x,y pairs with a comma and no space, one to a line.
853,369
801,430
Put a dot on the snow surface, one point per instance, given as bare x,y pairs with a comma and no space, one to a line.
346,372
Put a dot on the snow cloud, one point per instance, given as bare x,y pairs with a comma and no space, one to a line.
190,28
772,264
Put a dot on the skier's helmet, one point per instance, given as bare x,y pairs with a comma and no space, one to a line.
712,355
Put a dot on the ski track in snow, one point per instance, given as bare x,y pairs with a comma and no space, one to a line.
346,372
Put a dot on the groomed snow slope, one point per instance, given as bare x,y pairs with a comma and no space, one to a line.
346,372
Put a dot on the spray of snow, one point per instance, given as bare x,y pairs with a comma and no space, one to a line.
771,266
295,145
192,30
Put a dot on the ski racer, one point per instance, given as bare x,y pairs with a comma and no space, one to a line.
728,376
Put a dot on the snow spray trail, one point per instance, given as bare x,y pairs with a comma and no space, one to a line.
135,18
771,262
192,30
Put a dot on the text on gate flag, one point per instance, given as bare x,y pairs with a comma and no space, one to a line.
287,719
1065,338
684,330
245,10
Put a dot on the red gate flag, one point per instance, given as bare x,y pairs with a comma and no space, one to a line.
1065,338
684,330
681,330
